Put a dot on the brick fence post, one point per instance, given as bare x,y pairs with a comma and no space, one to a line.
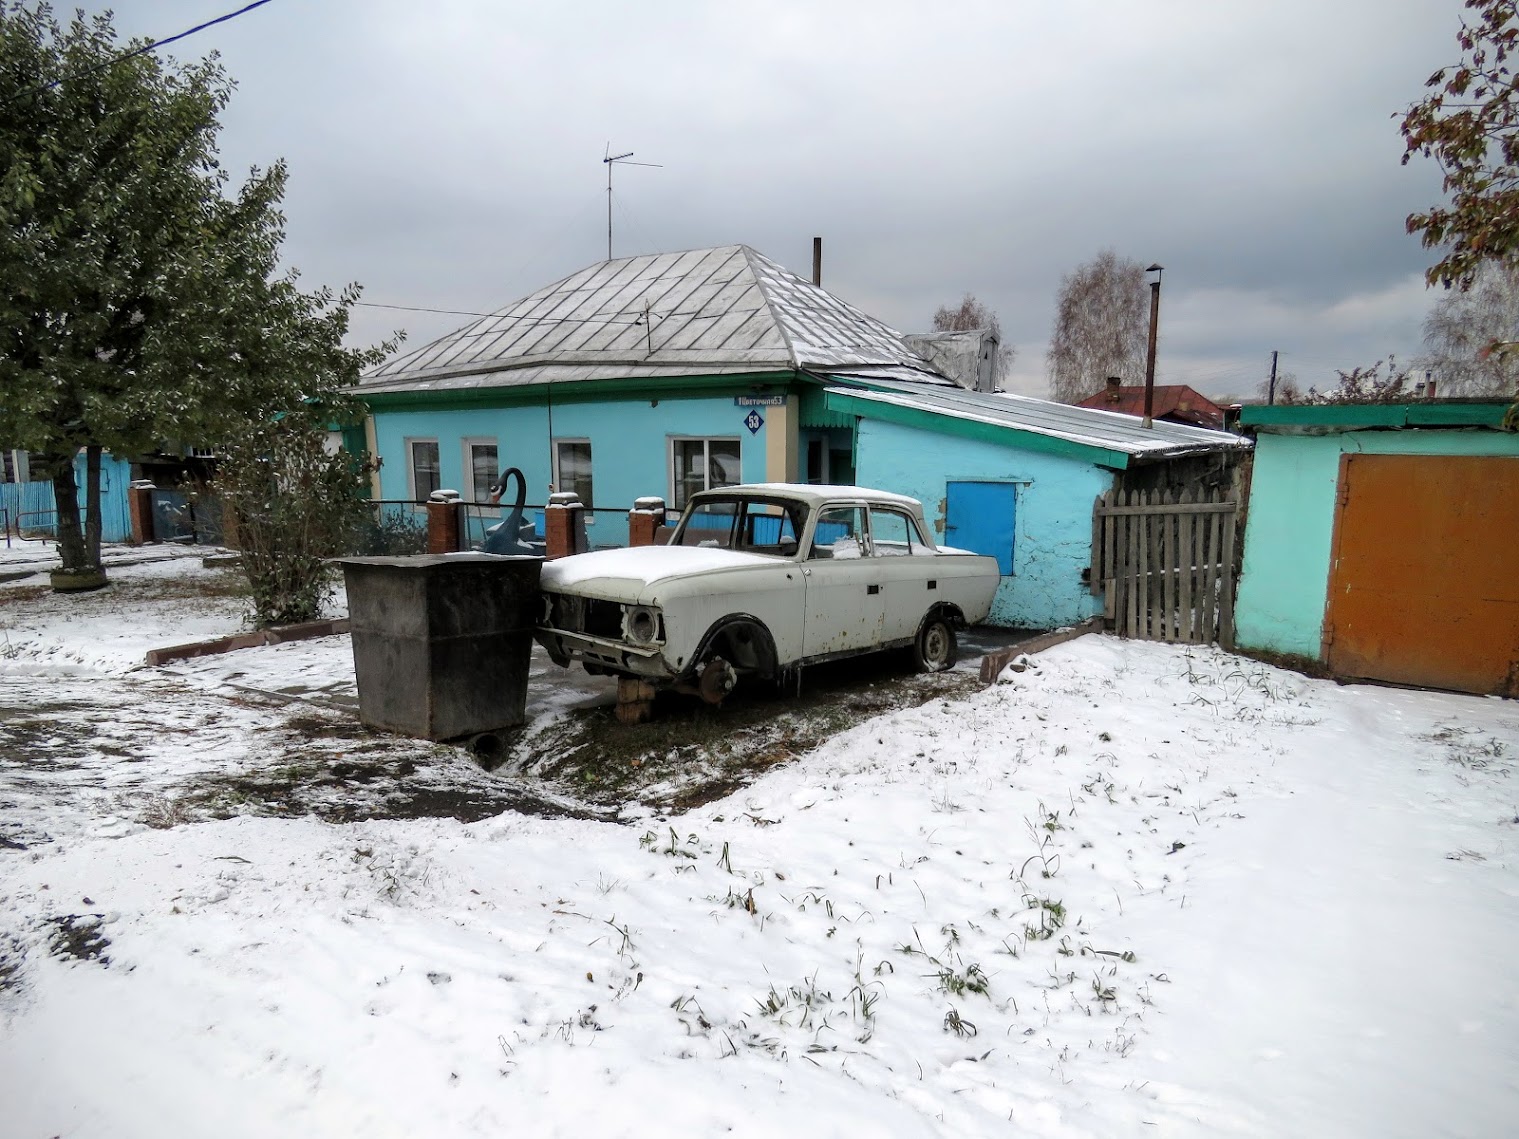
140,507
644,520
444,522
564,525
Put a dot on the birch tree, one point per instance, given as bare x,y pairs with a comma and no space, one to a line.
1101,327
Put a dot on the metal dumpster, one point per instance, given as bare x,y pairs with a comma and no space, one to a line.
441,642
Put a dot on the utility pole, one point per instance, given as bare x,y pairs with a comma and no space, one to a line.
1150,352
1271,386
609,158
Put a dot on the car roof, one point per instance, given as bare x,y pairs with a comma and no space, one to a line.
811,493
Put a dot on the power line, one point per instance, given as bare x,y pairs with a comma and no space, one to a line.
151,45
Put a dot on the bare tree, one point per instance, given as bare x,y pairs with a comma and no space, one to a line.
1101,327
1462,327
970,315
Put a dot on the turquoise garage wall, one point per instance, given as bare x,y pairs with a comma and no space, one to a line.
1053,541
1284,580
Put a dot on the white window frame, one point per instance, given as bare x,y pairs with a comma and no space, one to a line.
411,466
590,514
467,447
706,466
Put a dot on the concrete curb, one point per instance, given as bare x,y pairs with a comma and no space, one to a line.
992,664
278,635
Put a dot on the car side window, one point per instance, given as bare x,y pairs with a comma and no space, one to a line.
840,534
894,533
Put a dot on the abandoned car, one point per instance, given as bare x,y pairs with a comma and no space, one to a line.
761,579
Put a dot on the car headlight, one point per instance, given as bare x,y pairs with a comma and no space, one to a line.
641,624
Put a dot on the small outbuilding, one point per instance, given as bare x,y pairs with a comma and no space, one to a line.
1383,542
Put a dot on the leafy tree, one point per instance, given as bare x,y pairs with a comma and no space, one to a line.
1359,385
970,315
141,303
1462,327
1102,317
1469,124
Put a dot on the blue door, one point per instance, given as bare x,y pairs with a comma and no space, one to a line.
979,518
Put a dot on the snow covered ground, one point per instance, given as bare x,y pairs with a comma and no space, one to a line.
1131,890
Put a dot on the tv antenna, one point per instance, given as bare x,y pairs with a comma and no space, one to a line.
609,159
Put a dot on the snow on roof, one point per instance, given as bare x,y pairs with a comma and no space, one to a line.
701,312
1111,431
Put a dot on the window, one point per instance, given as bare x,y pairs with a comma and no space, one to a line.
13,467
754,526
481,464
840,533
702,464
894,534
422,457
572,468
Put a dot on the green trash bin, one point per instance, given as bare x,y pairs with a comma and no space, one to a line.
442,642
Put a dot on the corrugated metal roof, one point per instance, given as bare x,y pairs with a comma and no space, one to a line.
700,312
1081,425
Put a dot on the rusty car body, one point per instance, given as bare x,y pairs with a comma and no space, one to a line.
760,580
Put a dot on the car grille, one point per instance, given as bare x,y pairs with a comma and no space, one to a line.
588,615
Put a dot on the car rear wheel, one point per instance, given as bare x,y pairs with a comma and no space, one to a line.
935,650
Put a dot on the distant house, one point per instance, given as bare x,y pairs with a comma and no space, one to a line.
1383,541
27,504
670,373
1171,403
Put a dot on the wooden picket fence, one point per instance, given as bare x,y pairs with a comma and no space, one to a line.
1163,563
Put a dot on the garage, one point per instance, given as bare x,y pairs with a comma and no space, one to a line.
1424,583
1382,541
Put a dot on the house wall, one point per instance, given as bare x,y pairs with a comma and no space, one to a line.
630,450
1053,517
1284,580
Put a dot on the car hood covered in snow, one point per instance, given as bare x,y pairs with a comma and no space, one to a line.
624,574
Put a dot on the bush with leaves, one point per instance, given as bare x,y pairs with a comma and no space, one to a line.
297,502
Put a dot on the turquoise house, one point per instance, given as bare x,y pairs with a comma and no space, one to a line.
1383,541
665,374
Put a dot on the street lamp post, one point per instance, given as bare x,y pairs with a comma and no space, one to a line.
1150,353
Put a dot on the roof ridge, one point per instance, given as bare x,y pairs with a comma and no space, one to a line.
750,254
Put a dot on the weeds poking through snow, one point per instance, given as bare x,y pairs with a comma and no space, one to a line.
954,1022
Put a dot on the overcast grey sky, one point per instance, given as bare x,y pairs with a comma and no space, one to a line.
448,154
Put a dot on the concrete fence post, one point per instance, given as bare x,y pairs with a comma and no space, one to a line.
444,522
564,525
645,519
140,508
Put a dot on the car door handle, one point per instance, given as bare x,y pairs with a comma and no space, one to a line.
872,589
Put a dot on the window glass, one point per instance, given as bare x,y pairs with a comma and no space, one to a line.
752,526
424,468
483,469
702,464
894,534
840,533
572,468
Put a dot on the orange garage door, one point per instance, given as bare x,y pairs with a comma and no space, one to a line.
1424,580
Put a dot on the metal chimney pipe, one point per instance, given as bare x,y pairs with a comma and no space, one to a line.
817,260
1150,353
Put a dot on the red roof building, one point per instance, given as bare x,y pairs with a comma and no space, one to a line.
1173,403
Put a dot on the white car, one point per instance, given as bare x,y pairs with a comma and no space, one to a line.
761,579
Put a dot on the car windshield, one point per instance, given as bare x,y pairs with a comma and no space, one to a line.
752,525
